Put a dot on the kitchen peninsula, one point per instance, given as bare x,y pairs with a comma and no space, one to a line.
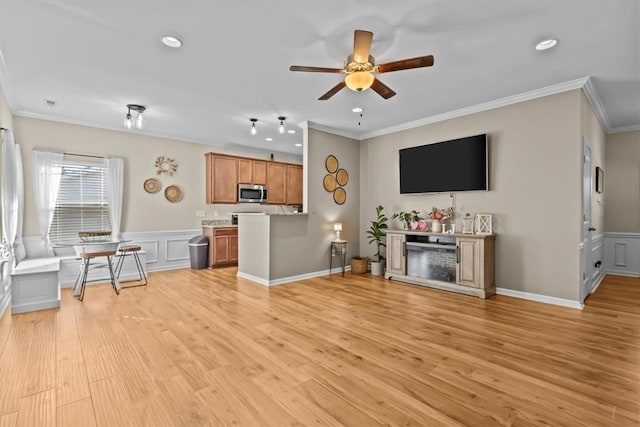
269,246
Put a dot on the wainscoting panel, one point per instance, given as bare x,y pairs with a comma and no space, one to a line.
177,249
163,250
622,253
166,250
597,260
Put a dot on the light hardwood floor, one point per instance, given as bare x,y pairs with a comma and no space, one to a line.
203,347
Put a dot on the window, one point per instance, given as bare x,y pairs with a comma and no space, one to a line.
82,199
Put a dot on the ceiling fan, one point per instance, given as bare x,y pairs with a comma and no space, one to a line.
361,68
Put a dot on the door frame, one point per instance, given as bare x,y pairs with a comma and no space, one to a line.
586,269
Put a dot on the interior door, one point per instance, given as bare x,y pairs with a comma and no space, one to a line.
585,256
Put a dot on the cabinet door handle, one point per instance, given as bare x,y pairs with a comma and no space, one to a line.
457,254
592,229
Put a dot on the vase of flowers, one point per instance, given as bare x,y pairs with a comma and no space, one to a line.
437,216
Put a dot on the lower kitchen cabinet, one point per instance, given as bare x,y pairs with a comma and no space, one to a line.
223,246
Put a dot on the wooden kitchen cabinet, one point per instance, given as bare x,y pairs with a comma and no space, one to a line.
224,173
252,171
223,246
276,183
245,171
259,172
222,179
294,185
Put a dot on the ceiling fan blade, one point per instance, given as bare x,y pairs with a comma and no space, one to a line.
315,69
337,88
406,64
362,45
382,89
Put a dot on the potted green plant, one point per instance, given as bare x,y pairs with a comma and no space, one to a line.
376,234
407,217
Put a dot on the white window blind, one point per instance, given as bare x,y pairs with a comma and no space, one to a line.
82,199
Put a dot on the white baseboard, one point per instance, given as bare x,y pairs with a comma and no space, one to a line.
623,273
4,302
597,282
25,308
283,280
540,298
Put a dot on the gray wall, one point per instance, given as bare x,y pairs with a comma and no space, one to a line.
535,191
622,182
311,235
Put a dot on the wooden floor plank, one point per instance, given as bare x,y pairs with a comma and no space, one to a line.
71,375
38,410
206,348
77,414
9,420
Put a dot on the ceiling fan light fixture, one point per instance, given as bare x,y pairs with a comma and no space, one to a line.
359,81
253,126
281,127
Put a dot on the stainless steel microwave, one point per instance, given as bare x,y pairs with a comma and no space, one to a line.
248,193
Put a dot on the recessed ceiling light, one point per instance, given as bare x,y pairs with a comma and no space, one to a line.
171,41
291,131
357,110
546,44
298,145
268,139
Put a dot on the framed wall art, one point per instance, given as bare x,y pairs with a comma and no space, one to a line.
599,179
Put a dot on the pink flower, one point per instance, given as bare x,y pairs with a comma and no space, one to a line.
438,215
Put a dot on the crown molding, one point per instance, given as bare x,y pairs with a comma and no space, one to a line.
328,129
596,104
622,129
502,102
233,146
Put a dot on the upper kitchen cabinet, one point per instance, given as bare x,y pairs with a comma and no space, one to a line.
222,179
276,183
224,173
294,185
252,171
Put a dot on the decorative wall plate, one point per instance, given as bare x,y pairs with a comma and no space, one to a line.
342,177
173,193
152,186
339,196
331,163
329,182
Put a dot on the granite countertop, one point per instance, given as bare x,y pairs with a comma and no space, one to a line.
217,223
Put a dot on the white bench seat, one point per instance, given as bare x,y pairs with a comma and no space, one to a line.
35,285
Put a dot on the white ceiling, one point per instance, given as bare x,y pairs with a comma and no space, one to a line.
93,57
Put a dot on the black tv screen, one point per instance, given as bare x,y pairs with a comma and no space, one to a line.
456,165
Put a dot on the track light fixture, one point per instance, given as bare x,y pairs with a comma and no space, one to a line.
129,120
253,126
281,127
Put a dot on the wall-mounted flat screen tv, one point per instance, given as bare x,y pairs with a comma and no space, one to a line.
456,165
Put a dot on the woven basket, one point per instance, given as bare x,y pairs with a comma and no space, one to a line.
359,265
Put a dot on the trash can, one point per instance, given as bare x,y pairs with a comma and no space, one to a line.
198,248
